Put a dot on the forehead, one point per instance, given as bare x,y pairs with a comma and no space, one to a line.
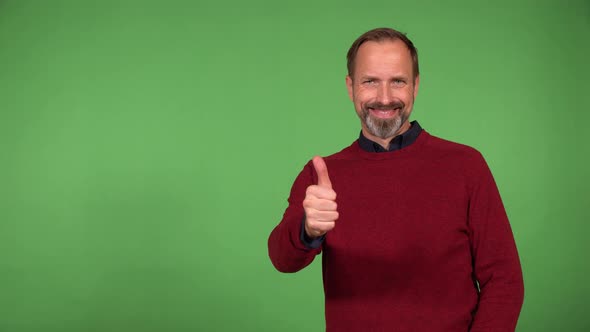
382,57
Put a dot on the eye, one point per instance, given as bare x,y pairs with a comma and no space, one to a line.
369,81
399,82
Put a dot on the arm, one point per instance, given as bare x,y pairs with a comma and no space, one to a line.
286,250
294,243
495,257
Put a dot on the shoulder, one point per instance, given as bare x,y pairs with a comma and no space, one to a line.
439,147
347,153
456,157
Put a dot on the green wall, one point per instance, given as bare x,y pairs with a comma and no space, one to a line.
147,149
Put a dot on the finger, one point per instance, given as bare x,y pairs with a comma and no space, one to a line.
320,192
320,204
321,216
317,232
322,171
320,228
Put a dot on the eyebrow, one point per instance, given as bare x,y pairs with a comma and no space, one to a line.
367,77
371,77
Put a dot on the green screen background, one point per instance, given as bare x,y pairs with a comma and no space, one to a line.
147,150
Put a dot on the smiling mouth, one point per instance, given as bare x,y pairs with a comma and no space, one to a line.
384,113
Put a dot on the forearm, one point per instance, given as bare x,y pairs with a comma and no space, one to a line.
500,302
286,250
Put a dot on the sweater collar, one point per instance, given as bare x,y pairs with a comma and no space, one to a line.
396,143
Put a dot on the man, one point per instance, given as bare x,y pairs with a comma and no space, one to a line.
412,228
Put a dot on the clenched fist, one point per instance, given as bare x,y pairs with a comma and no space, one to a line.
320,203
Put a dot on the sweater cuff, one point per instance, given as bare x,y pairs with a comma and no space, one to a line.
309,242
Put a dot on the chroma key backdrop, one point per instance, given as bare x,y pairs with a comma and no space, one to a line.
147,149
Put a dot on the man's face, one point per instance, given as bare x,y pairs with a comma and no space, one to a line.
383,88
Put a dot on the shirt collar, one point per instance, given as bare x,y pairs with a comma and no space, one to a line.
398,142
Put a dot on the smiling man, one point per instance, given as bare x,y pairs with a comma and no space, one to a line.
383,83
412,228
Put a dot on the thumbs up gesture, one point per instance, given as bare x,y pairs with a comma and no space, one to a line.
320,203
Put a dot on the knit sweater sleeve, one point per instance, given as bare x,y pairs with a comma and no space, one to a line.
286,250
495,258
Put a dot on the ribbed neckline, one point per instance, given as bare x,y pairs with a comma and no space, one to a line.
421,140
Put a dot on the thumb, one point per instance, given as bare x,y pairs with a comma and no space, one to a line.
322,171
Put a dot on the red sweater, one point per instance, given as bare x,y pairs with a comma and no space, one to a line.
417,228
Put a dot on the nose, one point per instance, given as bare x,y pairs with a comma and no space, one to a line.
385,95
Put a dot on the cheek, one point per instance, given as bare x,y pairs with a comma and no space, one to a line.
362,96
356,98
408,95
358,102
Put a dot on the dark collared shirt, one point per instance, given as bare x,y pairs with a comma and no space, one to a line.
397,143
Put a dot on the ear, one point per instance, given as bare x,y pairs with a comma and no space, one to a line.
416,85
349,87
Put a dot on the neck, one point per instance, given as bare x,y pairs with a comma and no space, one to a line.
384,142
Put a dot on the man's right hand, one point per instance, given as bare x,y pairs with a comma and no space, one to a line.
320,203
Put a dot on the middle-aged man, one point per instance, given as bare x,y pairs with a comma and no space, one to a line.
412,228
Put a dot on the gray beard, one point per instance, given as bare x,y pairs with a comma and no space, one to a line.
383,128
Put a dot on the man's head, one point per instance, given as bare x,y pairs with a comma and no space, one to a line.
382,82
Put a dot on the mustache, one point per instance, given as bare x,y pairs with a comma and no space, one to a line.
384,107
